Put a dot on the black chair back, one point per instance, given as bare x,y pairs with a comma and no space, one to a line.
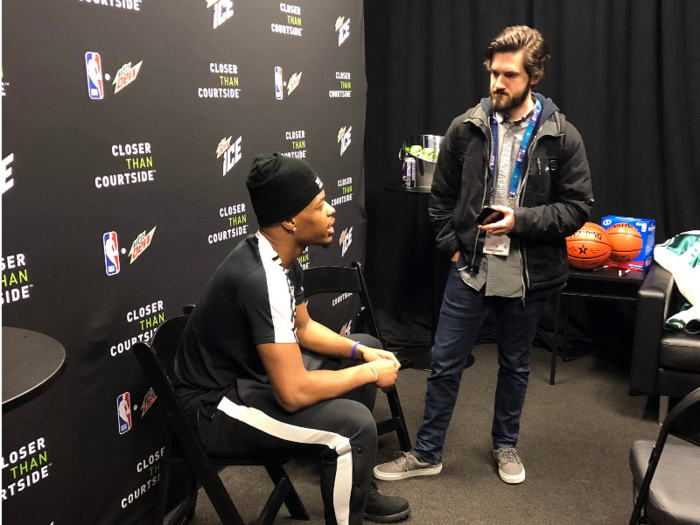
338,279
331,279
157,362
682,421
166,341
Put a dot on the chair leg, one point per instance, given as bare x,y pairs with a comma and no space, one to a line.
293,502
397,412
274,502
663,409
218,496
185,512
163,493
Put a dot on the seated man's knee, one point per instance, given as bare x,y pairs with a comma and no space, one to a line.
357,420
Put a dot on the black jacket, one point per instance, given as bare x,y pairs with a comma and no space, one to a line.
554,200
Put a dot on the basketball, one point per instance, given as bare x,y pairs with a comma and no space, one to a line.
589,247
626,242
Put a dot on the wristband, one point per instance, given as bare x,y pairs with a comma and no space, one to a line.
376,377
354,347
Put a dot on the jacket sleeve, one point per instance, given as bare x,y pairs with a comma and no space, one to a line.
445,189
573,196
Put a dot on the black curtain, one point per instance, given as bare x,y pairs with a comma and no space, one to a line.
622,71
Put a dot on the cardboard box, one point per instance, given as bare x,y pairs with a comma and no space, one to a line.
646,228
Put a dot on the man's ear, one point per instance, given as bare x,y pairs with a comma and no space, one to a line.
535,80
289,225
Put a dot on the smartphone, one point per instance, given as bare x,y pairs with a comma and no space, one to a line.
486,213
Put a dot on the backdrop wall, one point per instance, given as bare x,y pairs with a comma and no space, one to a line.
129,127
622,72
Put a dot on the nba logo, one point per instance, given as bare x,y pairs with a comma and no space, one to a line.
111,248
93,66
279,83
124,412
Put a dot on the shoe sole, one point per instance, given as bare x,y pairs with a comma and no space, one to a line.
510,479
384,476
389,519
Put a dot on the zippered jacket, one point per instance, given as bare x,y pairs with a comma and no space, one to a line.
554,200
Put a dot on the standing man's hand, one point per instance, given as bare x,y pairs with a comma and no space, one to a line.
504,226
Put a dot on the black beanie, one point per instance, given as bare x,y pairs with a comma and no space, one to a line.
280,187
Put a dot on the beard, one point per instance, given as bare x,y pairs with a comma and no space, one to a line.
504,103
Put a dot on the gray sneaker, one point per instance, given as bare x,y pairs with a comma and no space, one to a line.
406,465
510,467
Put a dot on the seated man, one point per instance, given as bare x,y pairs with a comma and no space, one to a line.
239,366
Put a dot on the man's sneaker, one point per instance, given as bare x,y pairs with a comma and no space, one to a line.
406,465
385,509
510,467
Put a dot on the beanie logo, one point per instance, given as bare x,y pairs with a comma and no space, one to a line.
319,183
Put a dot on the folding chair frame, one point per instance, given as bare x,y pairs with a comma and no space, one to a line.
337,279
186,448
671,421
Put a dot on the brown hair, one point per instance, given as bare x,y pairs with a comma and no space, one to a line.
512,39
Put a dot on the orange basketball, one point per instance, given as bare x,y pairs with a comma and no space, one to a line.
589,247
626,242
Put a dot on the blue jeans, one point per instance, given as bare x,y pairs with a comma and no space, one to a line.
462,313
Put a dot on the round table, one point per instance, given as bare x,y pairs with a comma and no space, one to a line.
31,363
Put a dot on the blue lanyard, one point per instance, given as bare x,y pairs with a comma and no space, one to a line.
518,169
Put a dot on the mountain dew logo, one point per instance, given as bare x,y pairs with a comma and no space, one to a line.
293,82
142,242
126,75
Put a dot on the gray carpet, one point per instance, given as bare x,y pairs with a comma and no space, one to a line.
574,441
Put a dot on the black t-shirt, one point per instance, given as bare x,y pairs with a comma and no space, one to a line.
250,300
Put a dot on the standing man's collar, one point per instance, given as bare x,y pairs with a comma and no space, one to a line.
504,117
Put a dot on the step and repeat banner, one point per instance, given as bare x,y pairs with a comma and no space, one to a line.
129,127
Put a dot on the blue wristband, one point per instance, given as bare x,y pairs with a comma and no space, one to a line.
354,347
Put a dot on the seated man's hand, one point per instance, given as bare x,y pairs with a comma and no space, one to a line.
372,354
386,373
375,354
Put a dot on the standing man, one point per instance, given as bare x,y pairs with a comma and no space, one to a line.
239,367
516,154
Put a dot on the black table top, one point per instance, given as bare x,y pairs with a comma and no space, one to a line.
31,362
607,283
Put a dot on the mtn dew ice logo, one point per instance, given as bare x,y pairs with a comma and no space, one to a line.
342,26
125,76
223,10
230,151
345,240
344,138
141,242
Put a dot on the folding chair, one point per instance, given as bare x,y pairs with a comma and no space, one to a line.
668,485
184,447
336,279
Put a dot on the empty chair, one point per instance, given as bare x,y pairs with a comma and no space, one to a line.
667,477
336,279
